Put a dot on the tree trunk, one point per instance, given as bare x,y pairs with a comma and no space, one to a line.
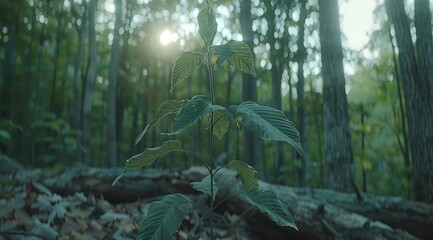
37,109
417,89
59,36
111,95
423,165
279,163
251,147
404,147
301,172
76,121
339,156
89,83
26,137
316,113
8,74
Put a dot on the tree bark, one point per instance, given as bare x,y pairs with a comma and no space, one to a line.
339,155
76,121
111,95
279,163
8,73
251,147
38,106
301,172
54,101
404,147
417,89
89,83
423,165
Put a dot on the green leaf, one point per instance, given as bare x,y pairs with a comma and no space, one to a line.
184,66
164,217
194,109
247,174
267,202
150,155
268,123
224,53
5,135
204,186
167,107
221,122
237,54
41,188
207,25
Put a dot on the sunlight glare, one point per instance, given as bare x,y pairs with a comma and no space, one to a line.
168,37
109,6
357,21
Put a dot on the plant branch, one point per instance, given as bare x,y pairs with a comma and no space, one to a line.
218,169
197,156
225,199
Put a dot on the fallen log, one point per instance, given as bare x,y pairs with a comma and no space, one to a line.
414,217
319,213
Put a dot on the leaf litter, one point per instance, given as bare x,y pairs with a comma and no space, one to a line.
31,211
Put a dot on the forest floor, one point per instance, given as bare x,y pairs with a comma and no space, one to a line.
31,210
81,203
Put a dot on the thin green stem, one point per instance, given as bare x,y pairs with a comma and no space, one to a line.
225,199
197,156
211,143
218,170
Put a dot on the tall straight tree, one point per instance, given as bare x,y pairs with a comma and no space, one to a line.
276,87
8,74
80,24
339,156
300,172
60,32
89,82
251,148
417,87
111,95
423,167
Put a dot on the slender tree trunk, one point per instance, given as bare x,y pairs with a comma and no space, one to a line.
111,95
279,163
364,170
42,38
339,155
404,148
59,37
292,114
8,74
8,83
251,148
26,136
301,56
89,83
417,87
145,101
76,122
316,113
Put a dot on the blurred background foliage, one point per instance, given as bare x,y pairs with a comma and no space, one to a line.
44,57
